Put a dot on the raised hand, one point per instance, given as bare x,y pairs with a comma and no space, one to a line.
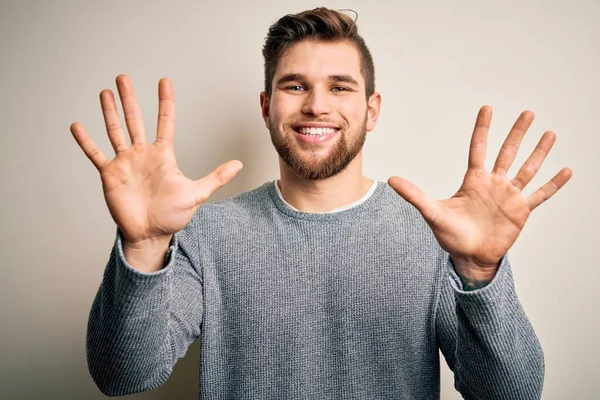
147,195
479,224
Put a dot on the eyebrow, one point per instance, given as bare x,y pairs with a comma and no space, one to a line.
299,77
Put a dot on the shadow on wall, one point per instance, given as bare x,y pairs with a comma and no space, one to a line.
243,137
65,379
183,382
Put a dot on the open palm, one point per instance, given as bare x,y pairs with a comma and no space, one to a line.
147,195
486,215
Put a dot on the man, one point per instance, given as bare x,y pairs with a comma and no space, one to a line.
322,284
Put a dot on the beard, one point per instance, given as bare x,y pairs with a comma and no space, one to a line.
312,166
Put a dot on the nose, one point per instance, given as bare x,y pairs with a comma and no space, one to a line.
316,102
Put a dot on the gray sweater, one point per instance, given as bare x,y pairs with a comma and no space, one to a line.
291,305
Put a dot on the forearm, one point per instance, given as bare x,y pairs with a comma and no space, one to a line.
128,342
498,354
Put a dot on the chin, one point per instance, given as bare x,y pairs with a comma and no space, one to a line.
317,167
318,163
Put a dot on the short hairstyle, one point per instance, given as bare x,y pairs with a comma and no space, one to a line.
319,24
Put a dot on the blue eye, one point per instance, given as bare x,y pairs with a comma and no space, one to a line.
295,88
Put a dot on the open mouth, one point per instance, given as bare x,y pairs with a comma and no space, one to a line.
312,131
315,134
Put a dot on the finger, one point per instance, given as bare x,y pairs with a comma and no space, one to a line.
112,121
166,111
510,147
478,146
133,115
548,190
88,146
535,160
415,196
216,179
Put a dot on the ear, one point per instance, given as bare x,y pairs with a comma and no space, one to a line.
373,107
264,107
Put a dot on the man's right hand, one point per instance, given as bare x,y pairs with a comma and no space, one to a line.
147,195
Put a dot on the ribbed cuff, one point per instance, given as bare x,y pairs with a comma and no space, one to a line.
490,293
137,276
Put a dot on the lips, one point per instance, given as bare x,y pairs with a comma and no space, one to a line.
315,135
316,131
314,128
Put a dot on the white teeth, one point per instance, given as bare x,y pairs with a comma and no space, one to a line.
316,131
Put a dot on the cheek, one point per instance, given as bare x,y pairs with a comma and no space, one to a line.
279,111
353,112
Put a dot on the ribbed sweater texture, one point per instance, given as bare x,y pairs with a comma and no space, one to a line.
354,304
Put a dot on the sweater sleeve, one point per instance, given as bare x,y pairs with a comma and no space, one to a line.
140,324
486,338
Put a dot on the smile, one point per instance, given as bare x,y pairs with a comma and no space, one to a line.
316,131
315,134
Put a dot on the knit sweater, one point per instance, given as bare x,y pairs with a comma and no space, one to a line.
287,304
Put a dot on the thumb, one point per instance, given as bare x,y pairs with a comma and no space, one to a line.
415,196
216,180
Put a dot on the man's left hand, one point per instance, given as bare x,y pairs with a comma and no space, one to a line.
478,225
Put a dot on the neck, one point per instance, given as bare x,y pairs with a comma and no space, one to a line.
324,195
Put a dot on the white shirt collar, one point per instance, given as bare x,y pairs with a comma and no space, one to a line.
365,197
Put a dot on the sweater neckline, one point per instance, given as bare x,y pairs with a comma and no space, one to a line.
351,212
357,202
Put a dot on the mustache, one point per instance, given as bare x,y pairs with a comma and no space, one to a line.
297,122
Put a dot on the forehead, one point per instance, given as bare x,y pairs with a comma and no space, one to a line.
318,60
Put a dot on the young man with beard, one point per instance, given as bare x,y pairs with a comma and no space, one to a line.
324,283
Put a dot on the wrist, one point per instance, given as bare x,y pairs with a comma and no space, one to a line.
472,275
147,256
147,244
